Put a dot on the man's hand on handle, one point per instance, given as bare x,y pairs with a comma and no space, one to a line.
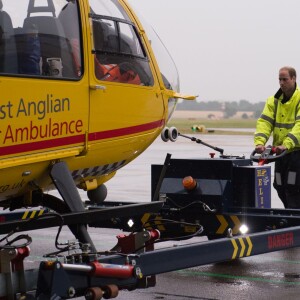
260,149
280,149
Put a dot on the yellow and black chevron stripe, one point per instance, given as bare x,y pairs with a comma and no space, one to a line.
156,220
241,247
225,222
30,214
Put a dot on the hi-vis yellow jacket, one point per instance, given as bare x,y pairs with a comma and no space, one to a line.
281,119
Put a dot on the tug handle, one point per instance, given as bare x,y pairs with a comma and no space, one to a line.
269,155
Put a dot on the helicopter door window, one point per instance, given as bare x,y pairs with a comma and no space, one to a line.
39,40
129,43
119,53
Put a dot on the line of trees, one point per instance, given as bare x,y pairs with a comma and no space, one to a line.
229,108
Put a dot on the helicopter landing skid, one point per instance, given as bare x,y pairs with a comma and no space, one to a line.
66,187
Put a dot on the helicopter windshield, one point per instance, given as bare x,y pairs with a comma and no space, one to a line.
40,38
109,8
165,62
119,53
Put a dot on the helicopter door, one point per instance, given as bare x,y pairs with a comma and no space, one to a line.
122,98
44,95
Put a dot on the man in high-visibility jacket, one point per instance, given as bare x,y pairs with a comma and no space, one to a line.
281,115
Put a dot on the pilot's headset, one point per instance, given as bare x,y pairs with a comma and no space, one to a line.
1,5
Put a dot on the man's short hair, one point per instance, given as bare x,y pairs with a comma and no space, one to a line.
291,70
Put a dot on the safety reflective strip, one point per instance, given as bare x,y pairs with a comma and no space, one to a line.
284,125
266,118
237,224
275,109
262,135
32,214
235,249
296,110
25,215
250,246
278,178
293,138
223,225
243,247
245,244
291,178
145,218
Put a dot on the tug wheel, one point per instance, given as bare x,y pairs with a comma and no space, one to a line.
110,291
94,293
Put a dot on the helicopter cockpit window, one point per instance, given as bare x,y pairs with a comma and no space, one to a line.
110,8
40,38
119,53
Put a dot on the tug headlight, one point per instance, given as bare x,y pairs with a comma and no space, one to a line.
244,229
130,223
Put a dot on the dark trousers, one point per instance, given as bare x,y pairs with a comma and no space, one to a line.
287,179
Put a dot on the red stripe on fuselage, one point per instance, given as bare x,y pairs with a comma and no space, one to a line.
77,139
124,131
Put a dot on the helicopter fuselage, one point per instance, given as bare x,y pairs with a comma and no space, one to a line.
79,83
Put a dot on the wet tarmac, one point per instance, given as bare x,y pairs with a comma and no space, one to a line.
269,276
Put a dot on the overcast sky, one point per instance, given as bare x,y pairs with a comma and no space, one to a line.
227,49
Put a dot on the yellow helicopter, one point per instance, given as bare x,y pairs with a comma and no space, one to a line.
85,89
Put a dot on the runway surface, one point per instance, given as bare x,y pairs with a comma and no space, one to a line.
269,276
